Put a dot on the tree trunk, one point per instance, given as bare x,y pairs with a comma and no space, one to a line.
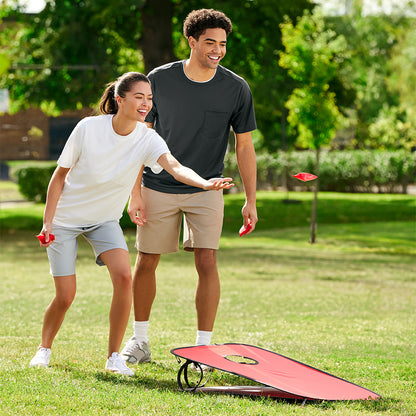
284,148
156,42
315,199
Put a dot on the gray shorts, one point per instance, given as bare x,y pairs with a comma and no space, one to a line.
62,253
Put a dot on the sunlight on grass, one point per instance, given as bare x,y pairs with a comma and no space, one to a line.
344,305
9,191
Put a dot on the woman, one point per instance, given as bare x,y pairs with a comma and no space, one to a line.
87,194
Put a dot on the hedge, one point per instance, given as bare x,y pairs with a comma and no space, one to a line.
340,171
370,171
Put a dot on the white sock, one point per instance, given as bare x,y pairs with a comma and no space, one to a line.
203,337
140,330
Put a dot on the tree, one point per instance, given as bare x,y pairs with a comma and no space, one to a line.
395,126
312,55
63,57
368,74
156,40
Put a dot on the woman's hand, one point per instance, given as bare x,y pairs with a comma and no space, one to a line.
186,175
137,210
217,184
48,237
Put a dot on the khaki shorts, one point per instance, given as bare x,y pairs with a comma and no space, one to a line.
203,214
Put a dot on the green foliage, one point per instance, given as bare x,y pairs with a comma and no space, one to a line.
370,39
314,115
312,55
402,79
379,73
393,128
64,56
33,182
339,171
367,171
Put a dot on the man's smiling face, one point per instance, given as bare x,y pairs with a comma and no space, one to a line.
210,48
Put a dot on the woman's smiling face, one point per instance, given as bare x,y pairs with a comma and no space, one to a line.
137,102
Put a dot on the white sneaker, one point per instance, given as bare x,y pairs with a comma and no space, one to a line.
41,359
117,365
136,352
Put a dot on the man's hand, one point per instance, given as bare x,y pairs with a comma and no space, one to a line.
137,211
249,213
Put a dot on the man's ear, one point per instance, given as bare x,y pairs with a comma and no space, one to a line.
192,42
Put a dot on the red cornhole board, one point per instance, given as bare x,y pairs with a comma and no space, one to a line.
282,376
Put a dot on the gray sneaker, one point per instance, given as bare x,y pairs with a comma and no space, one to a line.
41,359
136,352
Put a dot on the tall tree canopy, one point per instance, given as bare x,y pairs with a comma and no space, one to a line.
63,57
376,43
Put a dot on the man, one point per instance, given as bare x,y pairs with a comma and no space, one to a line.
195,102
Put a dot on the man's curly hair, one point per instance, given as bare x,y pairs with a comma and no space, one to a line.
199,20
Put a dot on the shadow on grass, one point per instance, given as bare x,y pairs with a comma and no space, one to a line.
146,382
150,383
220,378
137,380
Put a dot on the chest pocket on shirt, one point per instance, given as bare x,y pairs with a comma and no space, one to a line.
215,124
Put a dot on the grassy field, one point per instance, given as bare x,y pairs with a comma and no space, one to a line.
344,305
9,191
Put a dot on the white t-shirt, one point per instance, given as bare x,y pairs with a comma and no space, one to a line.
104,167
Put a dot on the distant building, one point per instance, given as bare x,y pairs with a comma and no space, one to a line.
32,135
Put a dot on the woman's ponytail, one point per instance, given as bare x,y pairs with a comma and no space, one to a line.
108,102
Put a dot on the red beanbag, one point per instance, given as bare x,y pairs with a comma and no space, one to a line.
41,238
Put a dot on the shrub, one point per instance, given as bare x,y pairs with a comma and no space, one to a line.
33,182
339,171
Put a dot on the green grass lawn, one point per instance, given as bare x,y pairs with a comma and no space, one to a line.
9,191
345,305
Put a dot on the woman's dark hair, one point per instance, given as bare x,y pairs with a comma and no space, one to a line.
124,83
199,20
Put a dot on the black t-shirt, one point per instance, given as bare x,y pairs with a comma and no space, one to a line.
195,118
